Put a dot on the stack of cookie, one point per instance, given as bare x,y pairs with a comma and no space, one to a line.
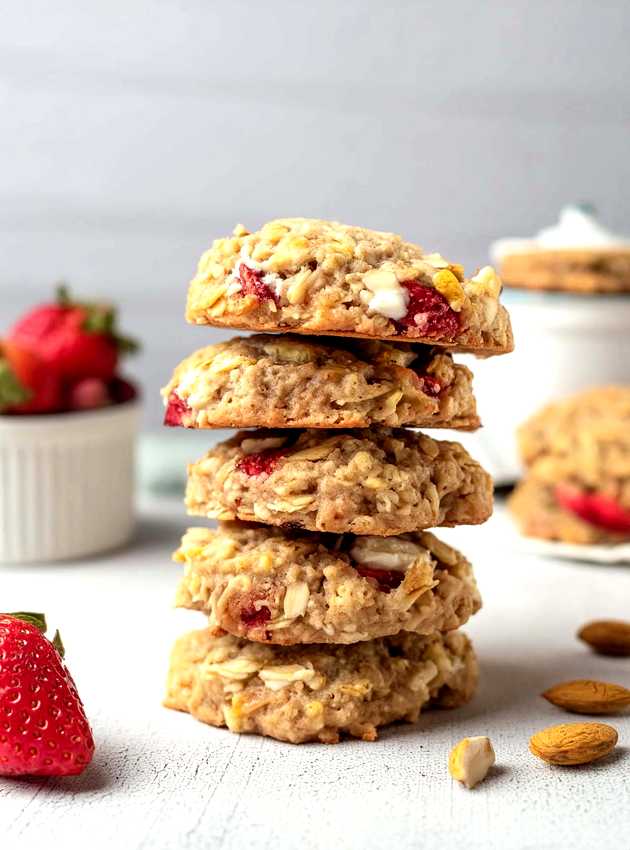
577,458
330,608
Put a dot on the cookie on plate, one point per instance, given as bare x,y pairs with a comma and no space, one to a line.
378,481
297,382
582,270
567,515
586,435
577,254
577,456
284,587
322,277
315,692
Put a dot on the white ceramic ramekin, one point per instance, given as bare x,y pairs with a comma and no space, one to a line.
563,343
66,483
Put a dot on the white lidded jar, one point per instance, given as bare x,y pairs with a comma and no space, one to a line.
564,343
67,483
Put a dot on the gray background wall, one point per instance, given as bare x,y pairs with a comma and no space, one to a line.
132,132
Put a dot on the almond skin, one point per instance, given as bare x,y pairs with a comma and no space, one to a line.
587,696
607,637
573,743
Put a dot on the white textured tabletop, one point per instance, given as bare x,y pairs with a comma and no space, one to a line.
161,780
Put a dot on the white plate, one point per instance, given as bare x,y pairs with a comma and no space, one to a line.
610,554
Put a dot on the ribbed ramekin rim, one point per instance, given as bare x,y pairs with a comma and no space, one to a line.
80,418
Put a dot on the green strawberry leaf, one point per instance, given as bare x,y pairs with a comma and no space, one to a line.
12,391
37,620
98,319
126,344
58,644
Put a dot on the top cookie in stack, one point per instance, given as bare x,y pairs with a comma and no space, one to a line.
320,277
331,610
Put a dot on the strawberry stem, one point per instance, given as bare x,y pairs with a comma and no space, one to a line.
12,391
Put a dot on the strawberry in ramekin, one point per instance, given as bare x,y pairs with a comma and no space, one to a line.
67,476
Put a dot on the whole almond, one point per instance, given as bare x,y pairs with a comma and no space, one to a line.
573,743
587,696
607,637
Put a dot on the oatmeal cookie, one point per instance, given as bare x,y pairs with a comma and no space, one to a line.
585,270
541,511
586,434
321,277
293,382
379,481
283,587
583,442
576,254
314,692
577,455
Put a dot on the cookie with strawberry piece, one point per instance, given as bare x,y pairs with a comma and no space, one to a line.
322,277
43,727
567,514
297,382
577,457
283,587
378,481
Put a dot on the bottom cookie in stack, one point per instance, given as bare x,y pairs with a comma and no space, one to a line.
314,692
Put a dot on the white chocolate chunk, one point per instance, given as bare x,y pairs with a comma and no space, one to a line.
388,297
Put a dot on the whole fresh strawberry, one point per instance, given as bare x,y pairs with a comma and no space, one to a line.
27,383
80,340
43,727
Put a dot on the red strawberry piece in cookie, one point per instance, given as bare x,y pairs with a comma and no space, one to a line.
260,463
387,580
253,617
43,727
428,313
177,410
430,386
252,283
27,383
77,340
598,509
